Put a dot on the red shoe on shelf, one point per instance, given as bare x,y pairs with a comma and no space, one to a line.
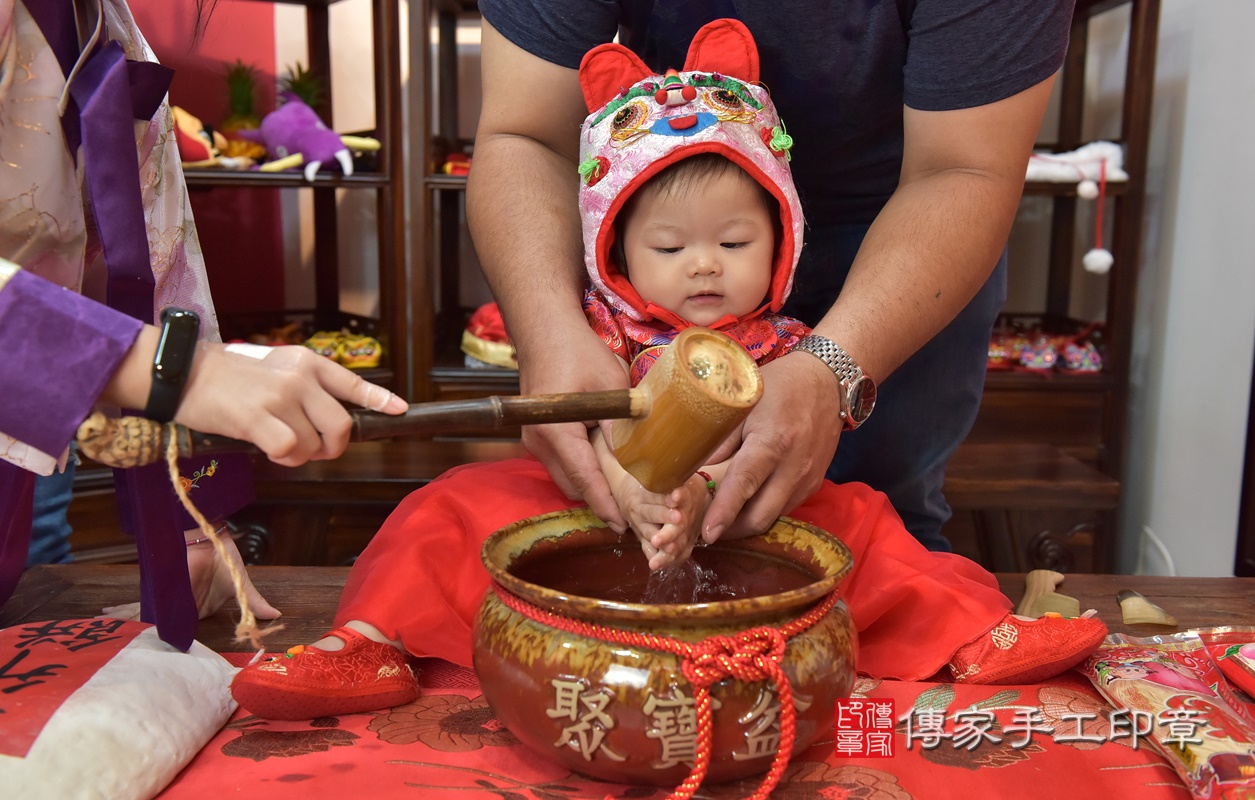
1018,650
306,682
485,340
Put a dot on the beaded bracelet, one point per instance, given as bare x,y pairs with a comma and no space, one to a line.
710,482
204,539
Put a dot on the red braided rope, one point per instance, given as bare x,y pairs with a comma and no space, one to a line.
751,655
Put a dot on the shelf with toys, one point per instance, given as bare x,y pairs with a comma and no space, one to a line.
1076,418
210,178
297,147
377,169
438,203
1037,482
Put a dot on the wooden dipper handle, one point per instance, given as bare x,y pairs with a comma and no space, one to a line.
700,389
134,441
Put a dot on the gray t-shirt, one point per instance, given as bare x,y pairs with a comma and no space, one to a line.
839,71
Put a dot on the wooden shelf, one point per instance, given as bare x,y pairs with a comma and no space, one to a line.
325,512
1068,189
1025,475
1048,382
212,178
445,182
1030,506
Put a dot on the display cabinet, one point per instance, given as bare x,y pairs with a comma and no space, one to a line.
402,334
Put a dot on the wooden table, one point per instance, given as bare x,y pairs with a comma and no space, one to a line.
308,596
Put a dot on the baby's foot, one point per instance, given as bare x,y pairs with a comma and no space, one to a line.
308,682
1023,651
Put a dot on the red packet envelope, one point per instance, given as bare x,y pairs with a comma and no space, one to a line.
1172,690
1233,649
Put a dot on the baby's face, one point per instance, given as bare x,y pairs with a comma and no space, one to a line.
704,252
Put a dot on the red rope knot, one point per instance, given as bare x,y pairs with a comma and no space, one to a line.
752,655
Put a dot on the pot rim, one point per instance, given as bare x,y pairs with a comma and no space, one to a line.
500,552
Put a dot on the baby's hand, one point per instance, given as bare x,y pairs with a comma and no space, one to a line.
645,512
674,540
667,525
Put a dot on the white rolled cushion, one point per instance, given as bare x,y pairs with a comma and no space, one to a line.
129,729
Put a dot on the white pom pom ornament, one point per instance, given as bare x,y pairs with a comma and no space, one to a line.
1098,260
1087,189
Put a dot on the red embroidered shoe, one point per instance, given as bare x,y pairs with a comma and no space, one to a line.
1027,651
306,682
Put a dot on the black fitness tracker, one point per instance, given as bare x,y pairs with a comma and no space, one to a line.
172,363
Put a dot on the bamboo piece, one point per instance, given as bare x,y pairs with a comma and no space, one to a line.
701,389
134,441
1137,610
1041,598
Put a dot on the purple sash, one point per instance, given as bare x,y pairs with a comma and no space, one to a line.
108,94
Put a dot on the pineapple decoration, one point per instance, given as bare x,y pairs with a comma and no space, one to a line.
295,136
304,84
241,81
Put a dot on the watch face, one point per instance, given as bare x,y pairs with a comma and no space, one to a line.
862,400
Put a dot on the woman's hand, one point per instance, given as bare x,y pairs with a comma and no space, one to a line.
288,403
211,582
211,579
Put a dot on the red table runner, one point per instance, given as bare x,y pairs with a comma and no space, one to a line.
1052,740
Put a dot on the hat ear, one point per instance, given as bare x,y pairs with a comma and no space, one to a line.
606,71
724,46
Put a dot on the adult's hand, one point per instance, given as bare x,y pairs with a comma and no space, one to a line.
212,586
786,444
288,403
576,361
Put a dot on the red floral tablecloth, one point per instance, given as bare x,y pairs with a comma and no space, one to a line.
448,744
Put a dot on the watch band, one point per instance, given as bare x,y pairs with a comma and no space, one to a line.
172,362
858,391
829,352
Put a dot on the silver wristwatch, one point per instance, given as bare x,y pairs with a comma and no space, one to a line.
858,392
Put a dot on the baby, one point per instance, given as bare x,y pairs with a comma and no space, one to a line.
690,218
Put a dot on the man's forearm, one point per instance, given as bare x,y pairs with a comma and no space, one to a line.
523,215
927,254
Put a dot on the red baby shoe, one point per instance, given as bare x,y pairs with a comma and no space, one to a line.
306,682
1027,651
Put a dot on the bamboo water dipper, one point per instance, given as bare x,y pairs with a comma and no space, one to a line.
702,387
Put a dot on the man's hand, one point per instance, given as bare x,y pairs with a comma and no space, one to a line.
576,361
787,442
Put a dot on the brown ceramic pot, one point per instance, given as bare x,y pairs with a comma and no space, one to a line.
625,712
